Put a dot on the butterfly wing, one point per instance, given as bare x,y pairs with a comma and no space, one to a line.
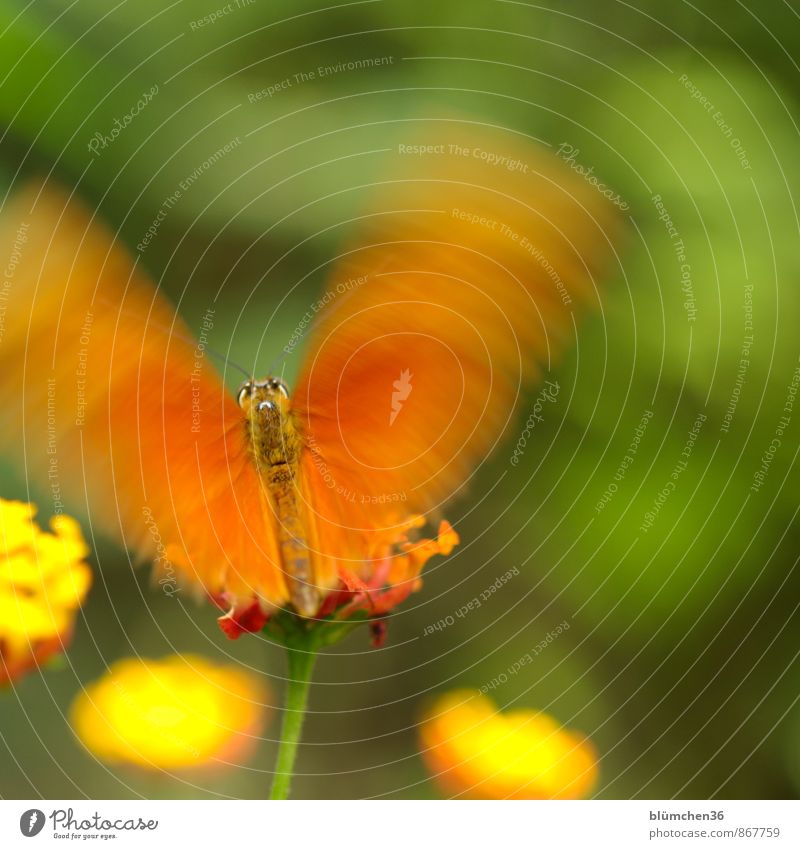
115,410
459,292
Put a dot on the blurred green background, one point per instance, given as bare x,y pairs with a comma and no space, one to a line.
682,659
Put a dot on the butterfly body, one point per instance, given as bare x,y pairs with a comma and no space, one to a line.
276,446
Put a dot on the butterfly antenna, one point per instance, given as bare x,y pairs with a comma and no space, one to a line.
224,359
278,361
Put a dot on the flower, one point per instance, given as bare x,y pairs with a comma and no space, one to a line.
476,752
43,582
391,573
181,711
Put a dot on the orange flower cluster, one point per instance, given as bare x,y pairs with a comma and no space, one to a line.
392,572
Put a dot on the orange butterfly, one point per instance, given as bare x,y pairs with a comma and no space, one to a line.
459,287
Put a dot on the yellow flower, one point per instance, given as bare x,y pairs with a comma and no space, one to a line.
478,753
43,581
182,711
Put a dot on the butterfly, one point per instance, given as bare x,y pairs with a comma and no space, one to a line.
455,295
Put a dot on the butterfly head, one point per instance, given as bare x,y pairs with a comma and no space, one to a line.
263,398
266,407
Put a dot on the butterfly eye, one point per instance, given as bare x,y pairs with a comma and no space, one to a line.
245,391
277,383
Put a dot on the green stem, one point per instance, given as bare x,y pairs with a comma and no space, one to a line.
301,665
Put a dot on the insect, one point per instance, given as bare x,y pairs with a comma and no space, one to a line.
276,448
450,301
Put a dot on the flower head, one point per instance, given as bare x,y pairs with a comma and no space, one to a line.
390,574
43,582
179,712
476,752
